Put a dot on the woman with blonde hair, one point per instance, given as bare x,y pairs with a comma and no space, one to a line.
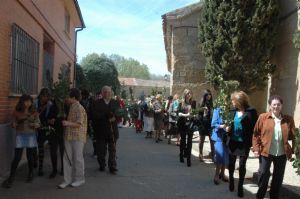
184,113
241,131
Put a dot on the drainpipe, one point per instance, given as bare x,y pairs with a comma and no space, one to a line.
75,56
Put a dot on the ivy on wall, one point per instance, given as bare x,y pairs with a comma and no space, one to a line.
296,160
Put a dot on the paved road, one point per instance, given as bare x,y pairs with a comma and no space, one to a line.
146,170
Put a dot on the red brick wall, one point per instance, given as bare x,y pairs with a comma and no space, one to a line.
35,17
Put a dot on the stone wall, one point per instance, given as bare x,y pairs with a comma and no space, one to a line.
187,63
285,81
186,58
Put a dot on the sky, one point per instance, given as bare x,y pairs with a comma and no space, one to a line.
130,28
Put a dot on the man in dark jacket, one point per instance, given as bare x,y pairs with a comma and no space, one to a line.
103,115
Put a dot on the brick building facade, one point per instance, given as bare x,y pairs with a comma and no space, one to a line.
37,37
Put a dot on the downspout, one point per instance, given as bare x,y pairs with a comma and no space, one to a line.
75,55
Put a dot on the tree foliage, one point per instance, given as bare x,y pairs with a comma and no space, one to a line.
297,33
99,71
60,89
296,162
223,100
129,67
81,81
237,38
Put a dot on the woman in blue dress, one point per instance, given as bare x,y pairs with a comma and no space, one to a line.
221,150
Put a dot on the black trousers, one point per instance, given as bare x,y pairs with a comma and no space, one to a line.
41,139
55,142
201,144
264,174
17,158
186,142
101,147
242,167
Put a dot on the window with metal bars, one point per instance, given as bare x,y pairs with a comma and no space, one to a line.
24,62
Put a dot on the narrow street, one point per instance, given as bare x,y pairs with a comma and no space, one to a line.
146,170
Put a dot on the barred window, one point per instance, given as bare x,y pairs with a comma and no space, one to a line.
25,61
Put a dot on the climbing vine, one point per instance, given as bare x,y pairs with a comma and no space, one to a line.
296,160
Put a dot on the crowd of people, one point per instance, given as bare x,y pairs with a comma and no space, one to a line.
38,121
267,135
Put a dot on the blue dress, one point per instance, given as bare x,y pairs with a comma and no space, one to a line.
221,150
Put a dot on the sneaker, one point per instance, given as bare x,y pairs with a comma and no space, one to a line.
77,183
63,185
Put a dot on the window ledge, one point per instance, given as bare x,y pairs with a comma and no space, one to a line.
15,95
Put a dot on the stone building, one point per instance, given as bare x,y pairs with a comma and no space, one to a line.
37,37
184,59
186,63
285,81
144,87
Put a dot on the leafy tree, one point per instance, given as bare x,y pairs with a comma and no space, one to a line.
129,67
123,92
99,71
90,61
296,160
297,33
81,81
237,38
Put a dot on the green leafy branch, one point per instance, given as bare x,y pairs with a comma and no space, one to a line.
296,160
60,89
296,39
223,100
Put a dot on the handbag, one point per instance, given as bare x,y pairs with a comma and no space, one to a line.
225,138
